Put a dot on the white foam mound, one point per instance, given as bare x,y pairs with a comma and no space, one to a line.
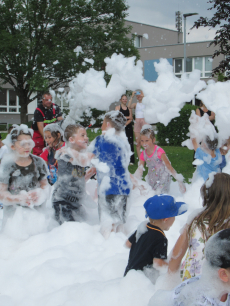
45,264
163,99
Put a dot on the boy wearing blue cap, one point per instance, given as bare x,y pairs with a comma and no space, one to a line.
149,246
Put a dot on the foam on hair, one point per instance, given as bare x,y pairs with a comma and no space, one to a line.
17,130
212,144
116,119
217,249
147,130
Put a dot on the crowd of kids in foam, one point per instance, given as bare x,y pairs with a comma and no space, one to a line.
68,162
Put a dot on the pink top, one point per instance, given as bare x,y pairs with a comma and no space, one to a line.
159,153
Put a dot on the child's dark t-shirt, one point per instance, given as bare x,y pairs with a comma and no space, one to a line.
23,178
70,185
151,244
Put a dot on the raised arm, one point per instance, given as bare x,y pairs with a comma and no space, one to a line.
195,144
130,101
198,112
178,252
212,117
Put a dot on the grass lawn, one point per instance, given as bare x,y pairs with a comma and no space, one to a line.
180,157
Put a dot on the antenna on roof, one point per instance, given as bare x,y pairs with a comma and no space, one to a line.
178,24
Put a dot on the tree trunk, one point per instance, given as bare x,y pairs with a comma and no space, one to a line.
23,110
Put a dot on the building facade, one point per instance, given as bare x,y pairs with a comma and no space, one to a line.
153,43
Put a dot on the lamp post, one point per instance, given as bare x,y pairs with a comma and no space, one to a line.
186,15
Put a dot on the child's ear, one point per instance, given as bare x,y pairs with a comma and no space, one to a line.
223,275
13,147
165,219
71,140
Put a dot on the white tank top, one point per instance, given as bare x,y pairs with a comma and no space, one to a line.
139,113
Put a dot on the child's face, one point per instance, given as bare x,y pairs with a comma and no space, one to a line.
146,141
23,145
79,140
49,139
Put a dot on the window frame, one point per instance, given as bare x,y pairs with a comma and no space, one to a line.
140,40
203,72
8,106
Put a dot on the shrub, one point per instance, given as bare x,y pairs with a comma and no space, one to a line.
175,132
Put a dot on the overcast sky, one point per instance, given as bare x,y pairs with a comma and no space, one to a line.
161,13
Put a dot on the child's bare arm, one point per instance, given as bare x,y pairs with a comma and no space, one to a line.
128,244
157,262
178,177
212,117
130,101
195,145
139,172
9,199
43,183
178,252
89,173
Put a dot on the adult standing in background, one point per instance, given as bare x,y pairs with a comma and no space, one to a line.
203,110
44,114
139,117
127,112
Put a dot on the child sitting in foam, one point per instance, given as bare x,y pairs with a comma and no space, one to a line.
53,138
22,175
69,190
159,167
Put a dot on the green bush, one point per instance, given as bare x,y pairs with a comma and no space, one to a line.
175,132
86,120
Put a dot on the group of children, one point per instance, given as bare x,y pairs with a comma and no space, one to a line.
24,179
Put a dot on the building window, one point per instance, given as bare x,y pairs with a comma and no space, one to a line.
9,102
137,41
202,63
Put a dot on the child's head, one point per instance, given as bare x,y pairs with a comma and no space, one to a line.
165,208
52,134
217,254
114,119
147,136
20,140
76,137
211,144
216,200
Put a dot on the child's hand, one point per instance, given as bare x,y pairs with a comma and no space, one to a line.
32,196
182,187
23,199
142,189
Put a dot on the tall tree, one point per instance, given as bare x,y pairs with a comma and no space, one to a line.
38,39
220,18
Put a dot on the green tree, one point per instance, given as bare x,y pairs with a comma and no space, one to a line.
38,39
221,18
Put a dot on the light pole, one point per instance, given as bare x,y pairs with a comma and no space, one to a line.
186,15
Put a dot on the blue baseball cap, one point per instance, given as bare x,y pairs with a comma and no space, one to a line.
163,206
